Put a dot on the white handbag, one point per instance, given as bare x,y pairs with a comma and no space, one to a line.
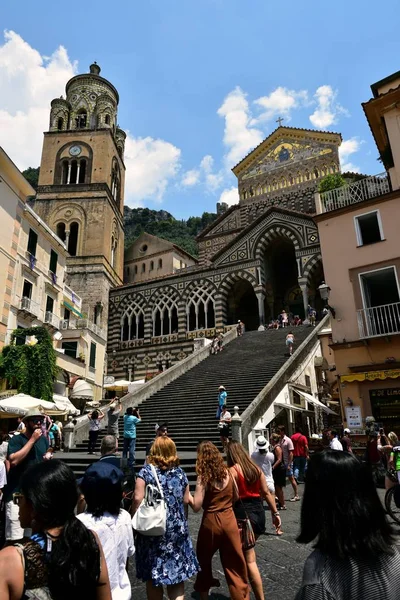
151,516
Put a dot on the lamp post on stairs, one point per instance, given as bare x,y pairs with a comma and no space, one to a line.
236,425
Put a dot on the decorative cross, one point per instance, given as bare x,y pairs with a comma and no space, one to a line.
279,121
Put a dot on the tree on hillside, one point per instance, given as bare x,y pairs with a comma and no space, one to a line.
32,175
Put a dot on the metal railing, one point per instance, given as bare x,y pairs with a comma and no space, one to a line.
67,324
51,319
29,306
365,189
379,320
82,324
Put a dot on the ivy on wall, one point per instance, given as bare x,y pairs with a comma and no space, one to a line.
31,365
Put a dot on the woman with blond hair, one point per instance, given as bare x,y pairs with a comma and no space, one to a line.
252,486
219,530
169,559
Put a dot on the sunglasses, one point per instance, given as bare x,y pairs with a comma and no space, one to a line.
36,420
17,498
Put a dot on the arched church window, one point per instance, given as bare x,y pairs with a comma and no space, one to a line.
132,323
165,316
151,265
316,173
60,123
291,180
200,310
135,269
160,263
82,171
60,231
64,171
73,238
143,267
81,119
113,245
73,172
107,120
115,181
308,176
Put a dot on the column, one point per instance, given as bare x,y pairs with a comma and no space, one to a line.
261,310
130,327
77,171
69,174
303,287
236,425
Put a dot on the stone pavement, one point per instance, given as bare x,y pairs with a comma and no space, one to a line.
280,559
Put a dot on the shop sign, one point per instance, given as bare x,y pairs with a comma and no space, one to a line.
371,376
353,417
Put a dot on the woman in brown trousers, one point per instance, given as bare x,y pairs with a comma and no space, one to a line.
218,531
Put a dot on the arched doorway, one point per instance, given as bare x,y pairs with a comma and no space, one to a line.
242,304
282,286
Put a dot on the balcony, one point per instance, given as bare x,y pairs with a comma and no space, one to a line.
83,324
365,189
86,324
379,321
29,307
51,320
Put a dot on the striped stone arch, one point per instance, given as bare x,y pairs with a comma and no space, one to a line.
198,284
164,310
276,232
231,279
132,317
129,300
169,290
311,266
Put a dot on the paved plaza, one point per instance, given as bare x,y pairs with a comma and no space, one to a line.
280,559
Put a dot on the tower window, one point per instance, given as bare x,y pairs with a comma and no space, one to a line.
135,269
82,171
61,231
73,238
143,267
73,172
151,265
107,120
81,119
64,172
160,263
60,124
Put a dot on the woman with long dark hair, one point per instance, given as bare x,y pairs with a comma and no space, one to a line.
355,554
215,493
252,486
63,559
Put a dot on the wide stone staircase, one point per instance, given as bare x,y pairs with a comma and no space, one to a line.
189,403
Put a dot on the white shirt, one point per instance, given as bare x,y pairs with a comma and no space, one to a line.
3,451
265,462
226,416
116,537
335,444
3,475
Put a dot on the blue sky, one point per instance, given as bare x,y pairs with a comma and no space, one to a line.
200,83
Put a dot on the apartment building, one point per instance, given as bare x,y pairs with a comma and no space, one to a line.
359,236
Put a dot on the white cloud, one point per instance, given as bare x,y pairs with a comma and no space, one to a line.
347,148
204,174
150,166
328,109
29,82
191,178
239,135
280,102
230,196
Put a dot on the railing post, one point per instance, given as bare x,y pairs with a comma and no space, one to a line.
68,434
236,425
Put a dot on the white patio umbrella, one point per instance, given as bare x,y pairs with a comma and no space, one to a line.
18,406
118,386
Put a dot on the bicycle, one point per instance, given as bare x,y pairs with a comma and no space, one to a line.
392,502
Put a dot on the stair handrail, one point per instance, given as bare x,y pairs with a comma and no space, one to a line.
155,384
257,408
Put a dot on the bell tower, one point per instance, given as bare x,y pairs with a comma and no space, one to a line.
81,187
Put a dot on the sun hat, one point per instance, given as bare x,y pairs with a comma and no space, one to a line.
261,443
33,412
346,430
221,387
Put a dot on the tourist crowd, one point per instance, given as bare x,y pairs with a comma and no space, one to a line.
74,539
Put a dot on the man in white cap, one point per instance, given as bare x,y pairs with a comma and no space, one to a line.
24,450
264,459
346,441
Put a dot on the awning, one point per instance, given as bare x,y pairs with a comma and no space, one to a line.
82,390
68,304
63,403
314,401
371,376
118,386
289,406
18,406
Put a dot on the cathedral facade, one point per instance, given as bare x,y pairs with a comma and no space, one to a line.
258,257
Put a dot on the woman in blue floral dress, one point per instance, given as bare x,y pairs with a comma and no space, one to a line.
169,559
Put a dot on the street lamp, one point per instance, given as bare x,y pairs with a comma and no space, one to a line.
324,292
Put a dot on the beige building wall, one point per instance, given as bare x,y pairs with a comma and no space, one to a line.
14,189
344,258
